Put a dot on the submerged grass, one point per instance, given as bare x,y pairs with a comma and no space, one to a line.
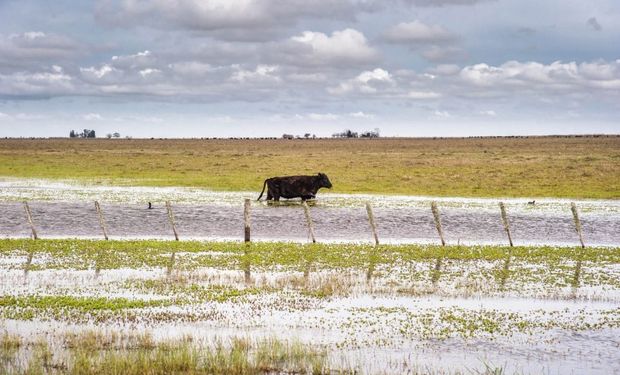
585,167
78,303
237,356
84,254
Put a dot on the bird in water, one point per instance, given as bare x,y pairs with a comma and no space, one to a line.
531,203
150,206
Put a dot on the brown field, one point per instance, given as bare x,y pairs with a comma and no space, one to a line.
584,167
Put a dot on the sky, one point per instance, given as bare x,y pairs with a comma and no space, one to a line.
258,68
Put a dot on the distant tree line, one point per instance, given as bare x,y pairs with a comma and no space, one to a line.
347,133
87,133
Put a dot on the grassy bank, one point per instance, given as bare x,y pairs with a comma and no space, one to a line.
585,167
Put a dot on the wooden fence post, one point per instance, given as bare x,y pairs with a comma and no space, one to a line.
437,222
101,220
309,221
171,219
246,219
577,274
29,216
506,268
371,220
502,208
573,208
246,263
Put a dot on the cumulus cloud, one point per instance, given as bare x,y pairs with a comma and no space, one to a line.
32,48
92,117
534,76
262,73
45,83
367,82
347,46
362,115
417,32
240,19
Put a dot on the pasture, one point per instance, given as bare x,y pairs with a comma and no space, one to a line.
570,167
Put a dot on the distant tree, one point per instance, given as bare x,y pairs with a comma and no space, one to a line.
72,134
116,135
108,136
307,135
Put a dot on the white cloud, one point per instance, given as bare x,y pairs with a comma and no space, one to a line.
262,73
192,68
442,114
490,113
33,49
98,73
92,117
54,81
322,116
534,76
362,115
341,47
149,72
423,95
417,32
367,82
232,20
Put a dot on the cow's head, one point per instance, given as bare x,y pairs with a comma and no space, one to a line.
324,181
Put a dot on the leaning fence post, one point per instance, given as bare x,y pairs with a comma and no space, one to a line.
171,218
101,220
573,208
371,220
505,222
437,222
246,237
309,221
29,216
577,274
246,219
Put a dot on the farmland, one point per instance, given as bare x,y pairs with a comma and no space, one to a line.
211,304
571,167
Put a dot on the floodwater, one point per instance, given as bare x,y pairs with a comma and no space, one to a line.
54,219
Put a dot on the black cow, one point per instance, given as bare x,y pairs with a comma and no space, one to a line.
288,187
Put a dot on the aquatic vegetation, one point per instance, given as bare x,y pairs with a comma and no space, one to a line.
236,356
333,307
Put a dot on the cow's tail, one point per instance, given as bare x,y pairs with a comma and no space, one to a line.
261,193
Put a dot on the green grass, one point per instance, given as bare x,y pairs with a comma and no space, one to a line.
99,355
78,303
583,167
84,254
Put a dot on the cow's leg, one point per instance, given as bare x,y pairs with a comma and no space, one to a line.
269,196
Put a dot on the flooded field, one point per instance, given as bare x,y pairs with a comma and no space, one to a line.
390,309
65,210
342,305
